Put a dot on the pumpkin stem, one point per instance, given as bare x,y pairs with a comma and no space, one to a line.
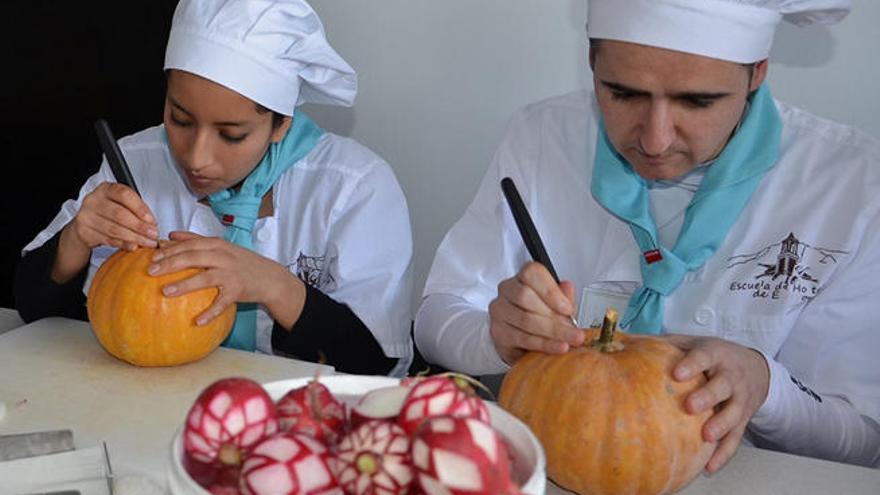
605,342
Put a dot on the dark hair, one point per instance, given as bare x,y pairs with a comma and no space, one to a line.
277,118
595,42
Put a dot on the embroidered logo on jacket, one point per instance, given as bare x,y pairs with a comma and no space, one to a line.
311,270
786,267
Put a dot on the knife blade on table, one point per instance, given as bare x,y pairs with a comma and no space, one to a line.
21,445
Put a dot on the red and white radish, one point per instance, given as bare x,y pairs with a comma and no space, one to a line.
289,463
440,395
461,456
224,489
381,403
313,410
373,459
227,419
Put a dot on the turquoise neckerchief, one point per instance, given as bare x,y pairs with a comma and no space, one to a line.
239,210
721,197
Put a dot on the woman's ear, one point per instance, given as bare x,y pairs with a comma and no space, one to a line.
279,132
759,74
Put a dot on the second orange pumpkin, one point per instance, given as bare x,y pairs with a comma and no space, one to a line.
610,421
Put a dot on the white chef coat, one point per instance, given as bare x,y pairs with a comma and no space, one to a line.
796,278
340,222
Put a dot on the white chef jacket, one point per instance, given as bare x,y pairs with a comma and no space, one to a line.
340,222
797,277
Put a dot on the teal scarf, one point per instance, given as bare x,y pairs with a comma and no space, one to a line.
721,197
239,210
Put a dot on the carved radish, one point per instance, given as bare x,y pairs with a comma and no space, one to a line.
373,459
312,409
458,456
381,403
227,419
441,395
224,489
289,463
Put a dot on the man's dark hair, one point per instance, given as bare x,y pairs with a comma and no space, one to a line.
596,42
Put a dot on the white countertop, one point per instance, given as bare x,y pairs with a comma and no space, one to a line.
762,472
54,375
9,320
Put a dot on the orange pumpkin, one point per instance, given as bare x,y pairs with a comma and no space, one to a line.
610,416
135,322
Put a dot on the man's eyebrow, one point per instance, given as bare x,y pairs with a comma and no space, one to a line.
226,123
614,86
700,95
683,95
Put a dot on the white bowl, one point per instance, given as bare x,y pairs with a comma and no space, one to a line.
529,462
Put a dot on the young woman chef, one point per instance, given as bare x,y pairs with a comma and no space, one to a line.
308,232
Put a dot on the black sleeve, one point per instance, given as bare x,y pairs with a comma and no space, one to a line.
37,296
330,331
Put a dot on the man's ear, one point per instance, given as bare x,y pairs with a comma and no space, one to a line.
759,74
279,132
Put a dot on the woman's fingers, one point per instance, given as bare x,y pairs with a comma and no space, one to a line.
182,235
115,215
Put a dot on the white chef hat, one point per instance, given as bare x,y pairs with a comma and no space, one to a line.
271,51
735,30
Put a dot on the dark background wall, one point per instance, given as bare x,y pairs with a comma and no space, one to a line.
65,64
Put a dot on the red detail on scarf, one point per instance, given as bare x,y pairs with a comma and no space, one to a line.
653,256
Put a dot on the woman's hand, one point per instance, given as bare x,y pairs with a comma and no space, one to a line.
111,215
240,274
533,312
739,379
114,215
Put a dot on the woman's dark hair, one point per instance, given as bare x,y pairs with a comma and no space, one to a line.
277,118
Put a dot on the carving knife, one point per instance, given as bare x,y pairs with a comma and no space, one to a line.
20,445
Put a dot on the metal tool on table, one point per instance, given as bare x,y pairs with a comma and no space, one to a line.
63,492
108,474
30,454
21,445
528,231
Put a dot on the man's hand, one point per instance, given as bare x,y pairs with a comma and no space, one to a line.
532,312
739,379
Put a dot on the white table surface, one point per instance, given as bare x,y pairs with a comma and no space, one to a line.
54,374
9,320
762,472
